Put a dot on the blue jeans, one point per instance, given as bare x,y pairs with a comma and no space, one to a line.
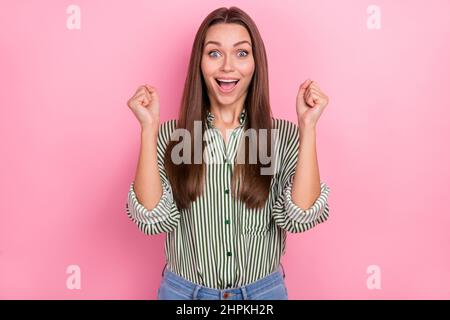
271,287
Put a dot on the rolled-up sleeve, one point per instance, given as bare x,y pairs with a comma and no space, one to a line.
165,216
287,215
315,212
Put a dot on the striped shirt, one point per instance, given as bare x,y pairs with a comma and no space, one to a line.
218,242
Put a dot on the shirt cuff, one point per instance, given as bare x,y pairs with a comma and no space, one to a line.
311,214
137,212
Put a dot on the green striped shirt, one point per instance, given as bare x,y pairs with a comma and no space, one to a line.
218,242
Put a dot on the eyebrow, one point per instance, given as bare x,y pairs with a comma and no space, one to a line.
219,44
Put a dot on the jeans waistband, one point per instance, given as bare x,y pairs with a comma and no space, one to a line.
259,285
281,265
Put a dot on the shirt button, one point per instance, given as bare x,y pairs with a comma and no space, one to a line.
229,285
227,191
229,254
227,221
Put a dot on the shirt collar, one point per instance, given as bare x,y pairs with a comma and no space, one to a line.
242,118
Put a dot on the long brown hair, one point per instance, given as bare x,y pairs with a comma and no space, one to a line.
187,180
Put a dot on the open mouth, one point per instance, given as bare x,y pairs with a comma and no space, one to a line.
227,86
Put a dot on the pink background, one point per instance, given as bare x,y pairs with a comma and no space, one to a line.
69,143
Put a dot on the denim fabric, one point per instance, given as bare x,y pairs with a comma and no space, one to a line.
271,287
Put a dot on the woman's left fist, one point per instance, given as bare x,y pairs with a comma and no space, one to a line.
311,102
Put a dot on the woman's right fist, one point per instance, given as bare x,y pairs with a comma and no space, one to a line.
145,106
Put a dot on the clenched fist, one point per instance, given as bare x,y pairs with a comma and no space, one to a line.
145,106
311,101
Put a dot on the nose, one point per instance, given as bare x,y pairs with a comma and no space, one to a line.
227,63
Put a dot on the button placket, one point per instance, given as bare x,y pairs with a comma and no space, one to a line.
228,151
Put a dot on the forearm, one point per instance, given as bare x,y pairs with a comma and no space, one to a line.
147,183
306,185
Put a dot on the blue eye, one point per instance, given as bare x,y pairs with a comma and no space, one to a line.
245,51
209,53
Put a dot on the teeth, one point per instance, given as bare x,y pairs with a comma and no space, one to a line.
227,80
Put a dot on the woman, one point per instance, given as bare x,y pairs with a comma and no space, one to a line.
226,221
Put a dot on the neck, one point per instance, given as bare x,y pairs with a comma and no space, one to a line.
227,116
